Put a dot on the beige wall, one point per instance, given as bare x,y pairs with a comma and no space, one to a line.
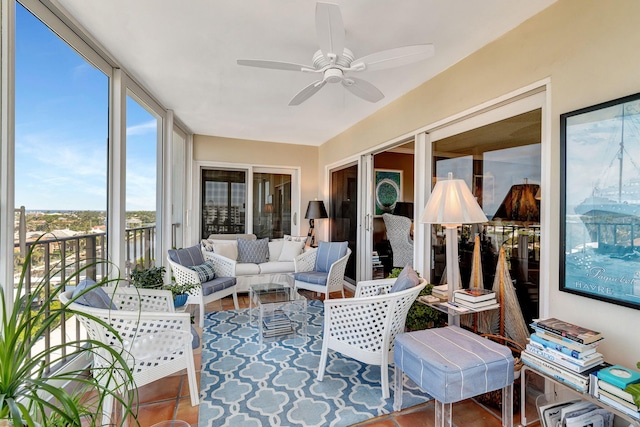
589,50
260,153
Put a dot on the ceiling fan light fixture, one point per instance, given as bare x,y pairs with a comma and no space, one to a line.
333,75
334,60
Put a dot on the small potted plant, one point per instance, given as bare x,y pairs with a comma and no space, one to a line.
180,292
149,278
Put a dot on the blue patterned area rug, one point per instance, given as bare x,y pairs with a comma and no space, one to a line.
243,384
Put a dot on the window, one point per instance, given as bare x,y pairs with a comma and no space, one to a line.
141,191
224,199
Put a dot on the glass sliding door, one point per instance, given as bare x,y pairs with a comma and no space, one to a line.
501,164
271,205
343,213
223,201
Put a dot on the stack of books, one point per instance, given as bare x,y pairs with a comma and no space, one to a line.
610,385
441,292
276,324
476,298
375,259
564,351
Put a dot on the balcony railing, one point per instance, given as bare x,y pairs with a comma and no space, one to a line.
67,255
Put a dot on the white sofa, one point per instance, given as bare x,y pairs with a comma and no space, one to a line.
222,250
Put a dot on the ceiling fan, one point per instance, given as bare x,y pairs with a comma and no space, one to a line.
334,62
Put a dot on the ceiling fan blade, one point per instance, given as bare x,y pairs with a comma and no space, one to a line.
363,89
275,65
394,57
307,92
330,30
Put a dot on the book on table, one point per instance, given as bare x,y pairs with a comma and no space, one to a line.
567,342
474,295
476,305
577,354
569,330
565,361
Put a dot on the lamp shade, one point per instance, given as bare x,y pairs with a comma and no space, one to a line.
451,203
316,210
521,204
404,209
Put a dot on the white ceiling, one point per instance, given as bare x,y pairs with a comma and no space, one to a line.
185,52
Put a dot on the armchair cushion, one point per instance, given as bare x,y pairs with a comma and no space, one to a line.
328,253
253,251
315,277
195,338
96,297
407,279
206,271
217,284
290,250
187,256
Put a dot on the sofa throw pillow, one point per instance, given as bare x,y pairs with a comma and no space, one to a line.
96,297
205,271
290,250
226,248
187,256
253,251
275,249
289,238
328,253
407,279
207,245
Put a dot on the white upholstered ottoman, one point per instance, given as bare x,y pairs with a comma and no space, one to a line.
452,364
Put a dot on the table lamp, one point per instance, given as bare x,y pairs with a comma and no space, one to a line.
315,210
451,204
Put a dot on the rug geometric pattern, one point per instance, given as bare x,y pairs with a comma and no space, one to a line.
244,384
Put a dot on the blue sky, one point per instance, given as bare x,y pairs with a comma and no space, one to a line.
62,128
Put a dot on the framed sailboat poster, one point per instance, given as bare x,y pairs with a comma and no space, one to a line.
600,201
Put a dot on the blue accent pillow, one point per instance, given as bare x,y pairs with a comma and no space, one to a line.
328,253
187,256
96,297
205,271
407,279
253,251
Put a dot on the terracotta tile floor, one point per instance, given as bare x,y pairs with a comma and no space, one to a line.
168,399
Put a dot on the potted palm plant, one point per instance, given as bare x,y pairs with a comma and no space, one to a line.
29,397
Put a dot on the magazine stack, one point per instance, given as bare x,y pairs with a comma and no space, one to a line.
564,351
574,413
476,298
611,383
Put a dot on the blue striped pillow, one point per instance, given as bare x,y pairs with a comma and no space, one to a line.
205,271
328,253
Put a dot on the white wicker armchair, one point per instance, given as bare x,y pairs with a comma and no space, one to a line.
365,327
306,262
157,341
399,235
224,274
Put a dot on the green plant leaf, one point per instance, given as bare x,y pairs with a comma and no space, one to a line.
634,391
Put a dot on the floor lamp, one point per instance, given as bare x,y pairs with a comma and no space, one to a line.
315,210
451,204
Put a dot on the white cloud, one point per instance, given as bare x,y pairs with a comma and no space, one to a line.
143,128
